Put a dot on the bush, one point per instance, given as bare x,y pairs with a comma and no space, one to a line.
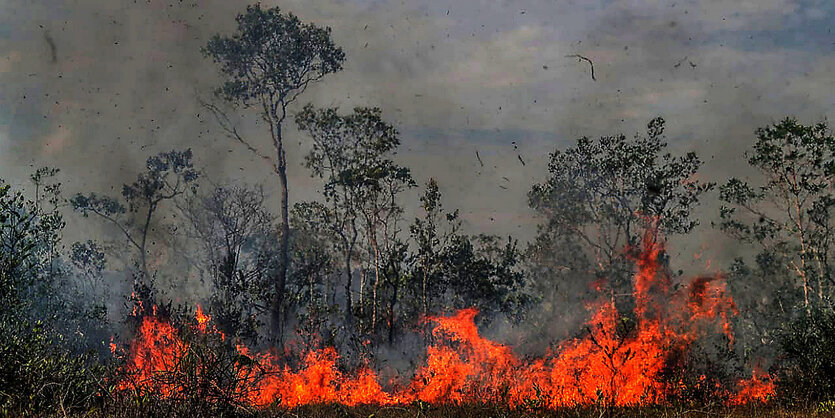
39,374
807,366
173,369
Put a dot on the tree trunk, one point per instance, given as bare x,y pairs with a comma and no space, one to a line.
392,304
362,291
349,315
423,290
376,281
283,238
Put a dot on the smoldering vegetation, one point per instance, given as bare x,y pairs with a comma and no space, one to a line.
207,300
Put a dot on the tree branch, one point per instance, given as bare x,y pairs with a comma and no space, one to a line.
232,131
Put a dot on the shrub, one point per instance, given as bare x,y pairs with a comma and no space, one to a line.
39,374
807,366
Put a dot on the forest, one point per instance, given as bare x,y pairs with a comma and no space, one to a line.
207,298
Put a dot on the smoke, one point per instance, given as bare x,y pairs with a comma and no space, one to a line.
481,92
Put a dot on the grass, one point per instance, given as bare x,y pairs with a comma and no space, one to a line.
164,409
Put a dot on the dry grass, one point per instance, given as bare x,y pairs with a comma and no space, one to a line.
415,411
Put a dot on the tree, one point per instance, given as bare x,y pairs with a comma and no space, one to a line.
604,193
481,272
235,234
22,241
312,270
450,270
39,372
382,216
430,239
789,215
268,63
382,219
167,176
350,155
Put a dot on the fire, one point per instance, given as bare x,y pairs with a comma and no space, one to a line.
202,319
616,362
156,350
759,388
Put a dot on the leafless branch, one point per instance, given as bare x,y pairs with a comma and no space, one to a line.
232,131
582,58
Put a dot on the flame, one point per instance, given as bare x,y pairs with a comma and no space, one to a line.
616,362
156,350
759,388
202,319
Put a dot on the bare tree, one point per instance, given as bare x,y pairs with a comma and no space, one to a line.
234,232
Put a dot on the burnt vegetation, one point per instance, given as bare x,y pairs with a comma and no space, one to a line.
362,267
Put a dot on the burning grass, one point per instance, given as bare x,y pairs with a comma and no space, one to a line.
608,366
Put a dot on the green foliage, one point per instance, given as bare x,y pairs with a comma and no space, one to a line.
600,197
789,214
484,273
269,63
453,271
351,154
273,56
168,175
313,267
39,375
614,180
807,368
430,233
350,151
39,370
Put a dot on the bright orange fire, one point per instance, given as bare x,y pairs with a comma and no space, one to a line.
156,350
759,388
614,364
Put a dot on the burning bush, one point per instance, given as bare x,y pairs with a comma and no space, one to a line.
191,364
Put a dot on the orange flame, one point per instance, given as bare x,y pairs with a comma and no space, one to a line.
613,364
759,388
202,319
156,349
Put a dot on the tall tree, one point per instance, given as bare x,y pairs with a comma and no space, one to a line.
269,63
166,176
350,154
382,216
603,193
789,214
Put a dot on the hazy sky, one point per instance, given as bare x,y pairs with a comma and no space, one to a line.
96,86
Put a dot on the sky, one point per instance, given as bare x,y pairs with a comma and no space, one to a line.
94,87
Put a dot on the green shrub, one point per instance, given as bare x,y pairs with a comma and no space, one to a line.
807,365
39,375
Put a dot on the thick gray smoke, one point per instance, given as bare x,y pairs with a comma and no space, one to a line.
480,90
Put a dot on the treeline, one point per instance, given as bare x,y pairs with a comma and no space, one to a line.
352,266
